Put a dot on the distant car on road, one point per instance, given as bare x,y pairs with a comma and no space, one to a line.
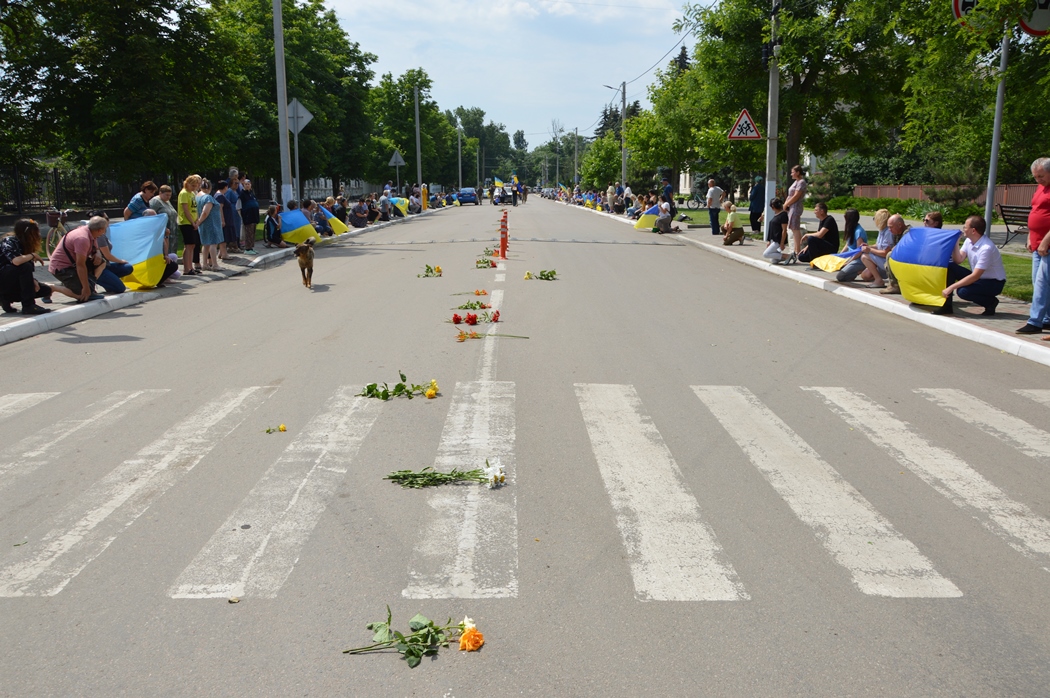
467,195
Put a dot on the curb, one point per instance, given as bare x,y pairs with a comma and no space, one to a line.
956,328
38,324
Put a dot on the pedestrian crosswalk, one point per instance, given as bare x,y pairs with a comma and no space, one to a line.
467,546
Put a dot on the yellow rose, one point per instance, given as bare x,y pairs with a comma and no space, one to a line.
431,393
282,428
471,640
528,275
437,270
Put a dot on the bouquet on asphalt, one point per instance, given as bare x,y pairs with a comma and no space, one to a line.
429,271
424,638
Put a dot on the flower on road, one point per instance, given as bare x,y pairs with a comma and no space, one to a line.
494,473
471,640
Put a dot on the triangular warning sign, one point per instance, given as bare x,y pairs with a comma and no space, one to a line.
744,129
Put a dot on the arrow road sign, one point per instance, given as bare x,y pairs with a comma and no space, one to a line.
397,160
298,116
744,129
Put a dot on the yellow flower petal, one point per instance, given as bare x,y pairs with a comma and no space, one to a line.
282,428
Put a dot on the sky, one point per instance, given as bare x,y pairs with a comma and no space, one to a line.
523,63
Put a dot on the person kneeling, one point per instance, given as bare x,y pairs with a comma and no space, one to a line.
984,280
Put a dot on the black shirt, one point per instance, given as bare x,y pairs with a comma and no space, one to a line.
832,236
775,228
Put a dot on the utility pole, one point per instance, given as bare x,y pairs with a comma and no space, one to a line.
545,180
623,138
773,115
576,156
477,159
993,164
419,149
282,102
459,148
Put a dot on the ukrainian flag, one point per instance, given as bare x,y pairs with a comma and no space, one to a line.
498,182
564,188
400,205
141,242
295,227
920,263
647,221
514,179
338,227
833,262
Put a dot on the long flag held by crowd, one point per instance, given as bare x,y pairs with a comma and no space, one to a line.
647,221
920,263
140,241
338,227
400,206
295,227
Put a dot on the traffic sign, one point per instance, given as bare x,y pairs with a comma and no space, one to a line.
1038,24
961,8
298,116
744,129
397,160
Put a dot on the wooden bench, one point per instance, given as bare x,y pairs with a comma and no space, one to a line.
1014,216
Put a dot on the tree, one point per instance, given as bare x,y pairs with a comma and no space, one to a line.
601,164
665,135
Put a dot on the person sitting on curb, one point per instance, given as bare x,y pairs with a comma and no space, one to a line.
116,268
982,283
825,240
853,233
358,217
663,221
776,233
733,228
18,253
76,262
870,264
272,229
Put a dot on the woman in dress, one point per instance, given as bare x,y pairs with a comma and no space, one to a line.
210,225
793,205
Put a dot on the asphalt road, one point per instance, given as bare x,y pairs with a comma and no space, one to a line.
719,483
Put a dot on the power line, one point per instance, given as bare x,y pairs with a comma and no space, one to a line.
684,37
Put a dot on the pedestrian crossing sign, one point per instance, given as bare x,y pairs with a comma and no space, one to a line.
744,129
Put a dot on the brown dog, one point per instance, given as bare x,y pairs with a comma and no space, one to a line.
305,252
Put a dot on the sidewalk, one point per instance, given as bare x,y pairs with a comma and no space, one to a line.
996,331
65,311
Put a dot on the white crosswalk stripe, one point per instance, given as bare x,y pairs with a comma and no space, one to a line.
1016,523
255,550
469,547
672,552
1018,433
881,560
14,403
83,531
33,451
1040,396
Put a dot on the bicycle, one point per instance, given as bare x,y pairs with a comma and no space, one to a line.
56,220
695,202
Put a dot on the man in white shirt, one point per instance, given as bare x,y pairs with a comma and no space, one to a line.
984,280
714,205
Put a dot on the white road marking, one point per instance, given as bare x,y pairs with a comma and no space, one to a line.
487,360
501,266
31,452
283,508
1016,523
496,298
881,560
673,554
469,545
14,403
84,530
1040,396
500,278
1018,433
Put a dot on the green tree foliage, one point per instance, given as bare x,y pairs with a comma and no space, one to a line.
664,136
601,165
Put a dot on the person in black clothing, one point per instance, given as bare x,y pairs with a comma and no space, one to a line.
776,232
249,216
18,254
825,240
339,210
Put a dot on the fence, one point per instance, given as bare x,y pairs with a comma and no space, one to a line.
1006,194
25,191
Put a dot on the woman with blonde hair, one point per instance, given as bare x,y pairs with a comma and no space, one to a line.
734,225
210,227
187,210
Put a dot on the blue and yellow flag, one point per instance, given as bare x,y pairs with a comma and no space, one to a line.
141,242
338,227
514,179
295,227
564,188
400,206
498,182
920,263
833,262
647,221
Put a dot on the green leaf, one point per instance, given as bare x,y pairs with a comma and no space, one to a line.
412,660
418,622
403,378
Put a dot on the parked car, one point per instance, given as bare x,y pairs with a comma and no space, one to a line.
467,195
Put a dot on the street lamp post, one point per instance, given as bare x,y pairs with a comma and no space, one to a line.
623,142
282,102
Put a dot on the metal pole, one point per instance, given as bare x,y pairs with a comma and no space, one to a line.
772,118
993,163
623,138
576,156
282,101
298,181
419,150
459,149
